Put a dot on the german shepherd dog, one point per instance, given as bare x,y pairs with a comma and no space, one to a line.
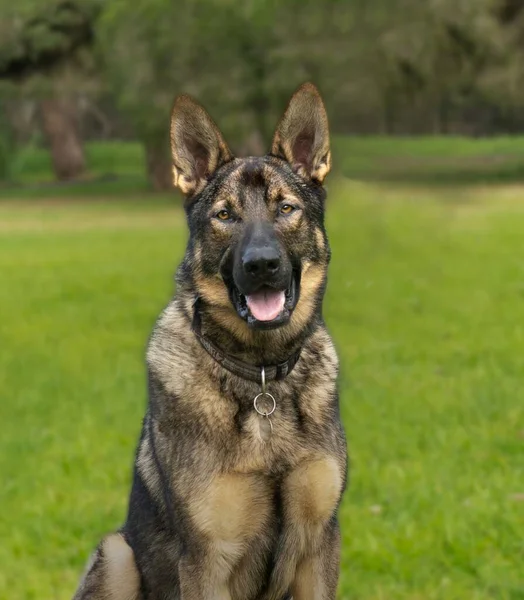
242,460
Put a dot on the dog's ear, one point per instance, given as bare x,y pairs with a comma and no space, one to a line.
302,136
197,146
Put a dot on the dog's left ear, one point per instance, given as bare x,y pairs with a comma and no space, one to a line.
302,136
197,146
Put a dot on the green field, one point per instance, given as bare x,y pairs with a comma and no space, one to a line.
426,305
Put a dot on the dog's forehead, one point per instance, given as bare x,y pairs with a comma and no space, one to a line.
254,178
256,173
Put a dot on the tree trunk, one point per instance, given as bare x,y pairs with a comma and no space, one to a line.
159,168
60,127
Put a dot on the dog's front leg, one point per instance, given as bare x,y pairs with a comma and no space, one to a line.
112,573
316,576
307,555
203,577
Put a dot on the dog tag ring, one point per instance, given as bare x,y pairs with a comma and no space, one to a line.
264,394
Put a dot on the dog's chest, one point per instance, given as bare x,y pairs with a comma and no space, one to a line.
267,444
266,437
271,433
237,508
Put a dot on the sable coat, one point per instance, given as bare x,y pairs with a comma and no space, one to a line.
227,503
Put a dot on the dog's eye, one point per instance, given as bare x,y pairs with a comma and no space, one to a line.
286,209
223,215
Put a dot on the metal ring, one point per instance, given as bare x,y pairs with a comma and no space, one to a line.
265,414
263,376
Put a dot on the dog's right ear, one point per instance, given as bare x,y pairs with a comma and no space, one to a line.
197,146
302,136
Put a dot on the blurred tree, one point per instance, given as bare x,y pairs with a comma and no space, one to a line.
241,60
504,83
392,66
6,143
427,61
203,47
384,66
46,49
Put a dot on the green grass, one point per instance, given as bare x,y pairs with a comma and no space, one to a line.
426,305
33,164
438,160
115,168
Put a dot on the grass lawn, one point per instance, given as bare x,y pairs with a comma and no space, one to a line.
426,305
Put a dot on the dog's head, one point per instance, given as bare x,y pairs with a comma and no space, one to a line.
258,251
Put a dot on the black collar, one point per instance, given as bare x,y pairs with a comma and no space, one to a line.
238,367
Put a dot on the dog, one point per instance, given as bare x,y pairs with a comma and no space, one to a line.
242,460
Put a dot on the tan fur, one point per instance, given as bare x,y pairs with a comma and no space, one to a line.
233,508
121,575
145,464
185,183
163,352
310,495
198,256
214,291
205,580
320,239
312,490
230,512
312,278
309,583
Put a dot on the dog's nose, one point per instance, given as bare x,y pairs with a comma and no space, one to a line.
261,262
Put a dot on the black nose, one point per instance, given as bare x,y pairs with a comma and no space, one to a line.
261,262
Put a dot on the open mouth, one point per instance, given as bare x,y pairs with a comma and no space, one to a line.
267,307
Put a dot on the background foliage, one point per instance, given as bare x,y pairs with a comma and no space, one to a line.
385,66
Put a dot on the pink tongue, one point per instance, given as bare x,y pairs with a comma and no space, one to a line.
266,304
